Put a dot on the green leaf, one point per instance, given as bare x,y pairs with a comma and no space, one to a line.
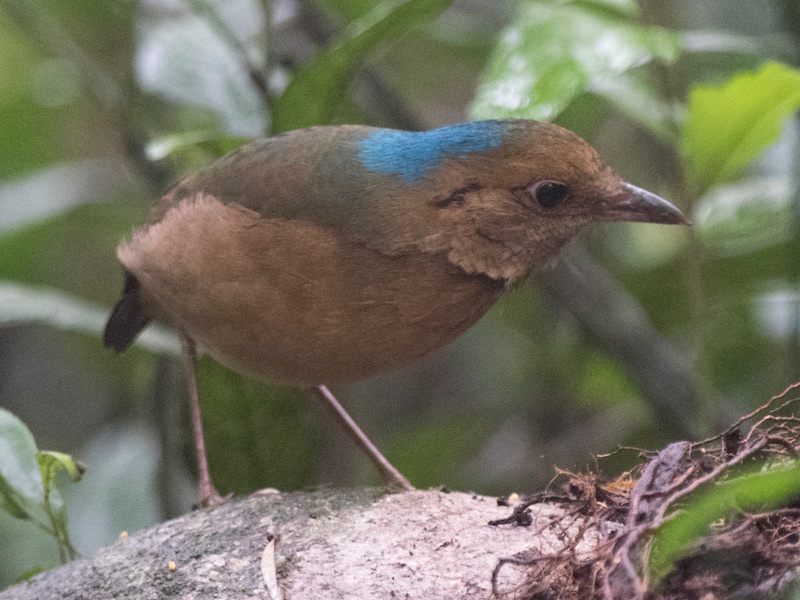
745,216
51,462
21,488
728,126
625,7
554,51
21,304
349,10
56,189
26,481
319,88
756,492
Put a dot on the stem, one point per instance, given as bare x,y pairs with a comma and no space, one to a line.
700,328
705,408
66,551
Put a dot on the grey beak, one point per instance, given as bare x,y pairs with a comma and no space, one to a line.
636,204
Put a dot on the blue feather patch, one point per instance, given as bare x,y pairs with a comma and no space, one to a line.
410,155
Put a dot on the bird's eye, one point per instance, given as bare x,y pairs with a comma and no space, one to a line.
548,193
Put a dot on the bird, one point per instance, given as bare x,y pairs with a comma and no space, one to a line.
328,254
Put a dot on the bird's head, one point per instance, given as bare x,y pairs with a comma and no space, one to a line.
512,200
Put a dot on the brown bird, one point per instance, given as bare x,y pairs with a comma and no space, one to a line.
329,254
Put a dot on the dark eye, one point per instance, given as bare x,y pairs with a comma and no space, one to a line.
548,193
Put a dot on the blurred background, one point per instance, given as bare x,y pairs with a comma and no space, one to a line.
640,335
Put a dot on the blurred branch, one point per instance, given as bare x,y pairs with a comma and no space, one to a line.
269,63
203,9
704,410
621,328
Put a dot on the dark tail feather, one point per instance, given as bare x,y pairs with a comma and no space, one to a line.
128,318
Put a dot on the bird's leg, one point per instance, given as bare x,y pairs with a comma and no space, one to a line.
391,476
208,493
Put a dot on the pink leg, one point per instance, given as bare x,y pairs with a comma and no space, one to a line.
391,476
208,493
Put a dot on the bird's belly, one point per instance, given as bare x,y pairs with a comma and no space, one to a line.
288,301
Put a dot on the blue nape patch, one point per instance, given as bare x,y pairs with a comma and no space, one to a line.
410,155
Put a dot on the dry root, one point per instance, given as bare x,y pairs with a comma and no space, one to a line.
746,556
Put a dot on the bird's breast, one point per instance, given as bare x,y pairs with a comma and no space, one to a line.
291,301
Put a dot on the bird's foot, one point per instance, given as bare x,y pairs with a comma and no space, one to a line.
395,481
210,497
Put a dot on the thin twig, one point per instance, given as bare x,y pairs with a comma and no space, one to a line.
202,8
752,414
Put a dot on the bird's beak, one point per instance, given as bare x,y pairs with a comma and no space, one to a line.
636,204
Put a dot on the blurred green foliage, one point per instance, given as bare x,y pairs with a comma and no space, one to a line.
552,53
728,126
28,482
317,91
106,102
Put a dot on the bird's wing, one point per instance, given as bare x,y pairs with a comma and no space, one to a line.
316,175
